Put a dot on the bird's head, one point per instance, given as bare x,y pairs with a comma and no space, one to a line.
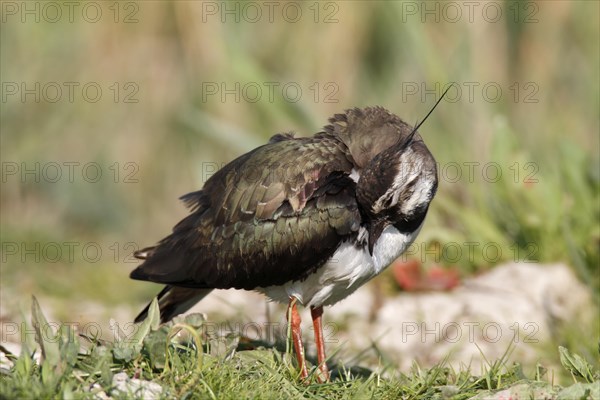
396,174
399,182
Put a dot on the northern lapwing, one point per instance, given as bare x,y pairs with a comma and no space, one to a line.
304,220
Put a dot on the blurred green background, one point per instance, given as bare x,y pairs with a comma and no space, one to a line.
154,96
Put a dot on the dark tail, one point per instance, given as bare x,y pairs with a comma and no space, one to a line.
173,300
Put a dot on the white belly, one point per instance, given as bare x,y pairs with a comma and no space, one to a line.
348,269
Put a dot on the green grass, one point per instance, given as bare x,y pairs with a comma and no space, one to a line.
187,365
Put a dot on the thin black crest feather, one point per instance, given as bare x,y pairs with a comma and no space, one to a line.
409,140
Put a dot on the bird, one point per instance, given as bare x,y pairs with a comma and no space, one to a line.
304,220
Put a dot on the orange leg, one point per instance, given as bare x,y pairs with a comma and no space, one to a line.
316,314
294,318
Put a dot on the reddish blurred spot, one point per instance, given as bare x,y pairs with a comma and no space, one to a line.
410,277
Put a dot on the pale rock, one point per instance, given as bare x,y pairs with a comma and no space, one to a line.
123,385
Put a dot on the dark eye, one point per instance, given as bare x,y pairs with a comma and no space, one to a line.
407,191
388,202
409,187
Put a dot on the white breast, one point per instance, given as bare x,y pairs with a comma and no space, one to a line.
349,268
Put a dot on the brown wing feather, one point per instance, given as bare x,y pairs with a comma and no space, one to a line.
271,216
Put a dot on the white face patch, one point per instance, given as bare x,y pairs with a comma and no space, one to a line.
420,195
410,169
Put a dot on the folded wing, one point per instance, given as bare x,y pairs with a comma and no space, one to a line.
273,215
